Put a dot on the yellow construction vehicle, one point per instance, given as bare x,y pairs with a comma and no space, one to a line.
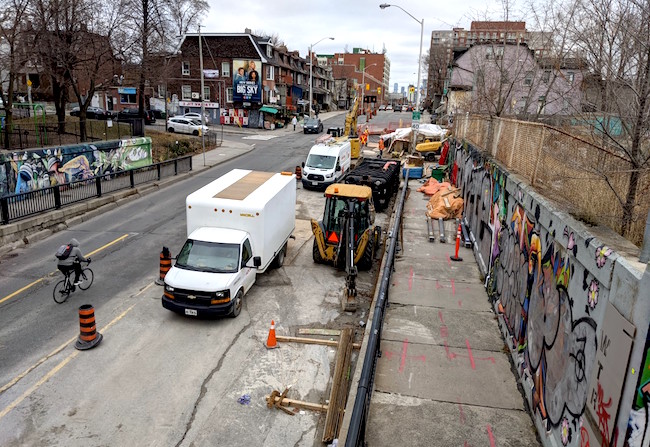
350,130
347,236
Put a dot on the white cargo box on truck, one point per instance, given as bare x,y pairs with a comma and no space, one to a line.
260,203
237,226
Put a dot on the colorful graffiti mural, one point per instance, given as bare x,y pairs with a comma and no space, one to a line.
33,169
550,303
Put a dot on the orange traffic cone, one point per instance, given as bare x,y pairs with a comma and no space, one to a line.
271,342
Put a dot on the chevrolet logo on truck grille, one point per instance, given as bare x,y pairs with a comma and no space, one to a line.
191,297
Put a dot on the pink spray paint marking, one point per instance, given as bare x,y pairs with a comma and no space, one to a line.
438,285
411,279
388,354
402,363
448,260
453,287
471,356
491,436
460,303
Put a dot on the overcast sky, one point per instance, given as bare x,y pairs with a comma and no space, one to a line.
352,23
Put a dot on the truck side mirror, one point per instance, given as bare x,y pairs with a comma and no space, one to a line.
303,164
257,261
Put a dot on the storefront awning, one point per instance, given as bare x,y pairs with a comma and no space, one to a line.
268,110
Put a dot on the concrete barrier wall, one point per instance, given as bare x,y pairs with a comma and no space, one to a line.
570,306
23,171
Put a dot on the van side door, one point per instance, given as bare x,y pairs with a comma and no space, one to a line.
247,268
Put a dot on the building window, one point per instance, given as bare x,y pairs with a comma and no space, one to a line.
162,91
186,92
225,69
229,94
270,72
546,76
341,61
269,51
541,102
570,77
206,93
528,80
128,98
186,68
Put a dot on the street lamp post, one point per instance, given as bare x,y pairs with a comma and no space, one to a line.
363,84
421,22
311,63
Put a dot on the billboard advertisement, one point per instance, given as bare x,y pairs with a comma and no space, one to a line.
247,84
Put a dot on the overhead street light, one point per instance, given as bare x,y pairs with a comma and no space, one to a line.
311,63
421,22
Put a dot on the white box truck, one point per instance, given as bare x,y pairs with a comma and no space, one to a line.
237,226
326,163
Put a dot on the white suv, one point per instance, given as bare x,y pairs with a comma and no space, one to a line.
181,124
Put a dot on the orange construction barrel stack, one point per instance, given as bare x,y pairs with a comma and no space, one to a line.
165,265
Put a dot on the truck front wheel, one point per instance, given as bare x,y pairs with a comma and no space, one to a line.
237,305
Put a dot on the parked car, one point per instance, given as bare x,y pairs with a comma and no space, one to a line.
93,113
181,124
192,115
313,125
130,114
389,107
397,108
404,108
382,107
159,114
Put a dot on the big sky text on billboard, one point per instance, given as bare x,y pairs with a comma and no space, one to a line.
247,85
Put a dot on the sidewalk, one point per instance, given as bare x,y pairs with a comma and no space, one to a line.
443,378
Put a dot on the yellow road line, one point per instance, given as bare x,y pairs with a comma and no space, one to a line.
119,239
58,367
21,290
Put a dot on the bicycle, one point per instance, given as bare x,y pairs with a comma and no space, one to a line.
63,288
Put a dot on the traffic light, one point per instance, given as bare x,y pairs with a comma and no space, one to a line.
411,89
367,86
378,90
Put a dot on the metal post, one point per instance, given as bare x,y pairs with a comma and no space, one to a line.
57,197
131,178
202,97
4,208
310,78
158,170
98,185
645,249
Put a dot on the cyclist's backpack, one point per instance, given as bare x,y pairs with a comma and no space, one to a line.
63,252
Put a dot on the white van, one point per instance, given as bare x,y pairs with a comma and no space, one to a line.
326,163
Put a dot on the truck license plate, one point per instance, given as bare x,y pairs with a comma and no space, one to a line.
314,183
190,312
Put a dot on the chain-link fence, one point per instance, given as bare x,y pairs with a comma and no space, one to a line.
591,180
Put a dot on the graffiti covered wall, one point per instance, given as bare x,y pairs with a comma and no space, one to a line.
39,168
550,281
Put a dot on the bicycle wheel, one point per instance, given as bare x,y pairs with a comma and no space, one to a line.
86,278
61,293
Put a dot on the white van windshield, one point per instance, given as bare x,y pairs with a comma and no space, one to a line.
320,161
208,257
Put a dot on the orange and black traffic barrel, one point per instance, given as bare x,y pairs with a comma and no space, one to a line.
88,336
165,264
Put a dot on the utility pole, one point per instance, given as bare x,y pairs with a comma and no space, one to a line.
202,97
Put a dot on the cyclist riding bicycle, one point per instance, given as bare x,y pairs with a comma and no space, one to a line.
72,261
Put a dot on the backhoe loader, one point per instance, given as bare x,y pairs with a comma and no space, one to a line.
347,237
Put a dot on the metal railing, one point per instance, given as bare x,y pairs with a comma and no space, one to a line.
18,206
356,432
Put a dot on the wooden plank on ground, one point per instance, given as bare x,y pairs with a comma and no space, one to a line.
286,402
339,391
318,331
313,341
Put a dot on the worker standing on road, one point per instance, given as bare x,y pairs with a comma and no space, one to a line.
294,121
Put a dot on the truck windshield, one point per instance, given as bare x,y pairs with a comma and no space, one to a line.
320,161
208,257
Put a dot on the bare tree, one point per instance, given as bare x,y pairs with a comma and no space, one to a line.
74,47
13,14
152,28
613,36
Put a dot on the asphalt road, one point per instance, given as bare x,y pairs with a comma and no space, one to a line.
159,378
